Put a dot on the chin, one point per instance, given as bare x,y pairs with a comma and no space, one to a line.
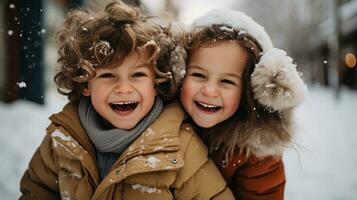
204,124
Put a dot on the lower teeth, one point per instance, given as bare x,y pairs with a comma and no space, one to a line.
124,107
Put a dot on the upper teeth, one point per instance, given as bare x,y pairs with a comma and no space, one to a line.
207,105
123,103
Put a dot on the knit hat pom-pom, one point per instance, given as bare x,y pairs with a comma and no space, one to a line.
276,82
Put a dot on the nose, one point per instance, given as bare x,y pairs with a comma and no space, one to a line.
210,90
123,86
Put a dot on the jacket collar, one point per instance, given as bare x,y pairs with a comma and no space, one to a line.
69,119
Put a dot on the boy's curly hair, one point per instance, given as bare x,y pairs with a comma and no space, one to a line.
91,39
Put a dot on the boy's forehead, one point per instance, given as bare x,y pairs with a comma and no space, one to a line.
135,59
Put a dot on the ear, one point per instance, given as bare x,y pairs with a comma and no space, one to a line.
86,92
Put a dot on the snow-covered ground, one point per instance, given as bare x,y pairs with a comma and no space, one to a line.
323,165
325,162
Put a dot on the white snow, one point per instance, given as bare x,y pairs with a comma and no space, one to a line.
58,133
149,132
227,29
23,127
144,188
21,84
152,161
323,166
237,20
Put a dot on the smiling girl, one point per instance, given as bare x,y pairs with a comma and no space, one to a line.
240,91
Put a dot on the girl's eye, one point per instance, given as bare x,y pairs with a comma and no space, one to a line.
198,75
228,82
107,75
138,74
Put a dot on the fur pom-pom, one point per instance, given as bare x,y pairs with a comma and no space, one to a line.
276,82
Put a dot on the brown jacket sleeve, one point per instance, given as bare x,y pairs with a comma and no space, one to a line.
254,178
40,179
200,177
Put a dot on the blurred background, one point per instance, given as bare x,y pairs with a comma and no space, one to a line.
321,36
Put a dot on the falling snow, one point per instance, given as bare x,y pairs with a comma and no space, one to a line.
12,6
10,32
21,84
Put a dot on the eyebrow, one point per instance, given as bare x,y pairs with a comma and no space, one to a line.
233,75
146,64
196,66
224,74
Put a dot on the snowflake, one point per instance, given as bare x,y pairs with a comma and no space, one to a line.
21,84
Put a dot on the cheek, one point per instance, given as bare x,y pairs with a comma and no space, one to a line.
233,100
99,101
148,91
186,93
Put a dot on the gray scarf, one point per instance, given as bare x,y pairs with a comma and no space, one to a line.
113,140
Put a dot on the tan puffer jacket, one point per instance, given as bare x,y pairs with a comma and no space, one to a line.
168,161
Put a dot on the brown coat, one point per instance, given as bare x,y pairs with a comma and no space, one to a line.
253,178
256,171
168,161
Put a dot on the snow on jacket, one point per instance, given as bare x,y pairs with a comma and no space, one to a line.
168,161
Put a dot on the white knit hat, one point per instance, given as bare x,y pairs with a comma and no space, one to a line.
275,80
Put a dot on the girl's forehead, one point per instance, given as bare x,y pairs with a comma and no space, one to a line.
224,56
223,49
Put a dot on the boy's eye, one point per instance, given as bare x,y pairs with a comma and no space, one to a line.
228,82
107,75
198,75
138,74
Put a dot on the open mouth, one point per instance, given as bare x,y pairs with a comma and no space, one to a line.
124,107
207,107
